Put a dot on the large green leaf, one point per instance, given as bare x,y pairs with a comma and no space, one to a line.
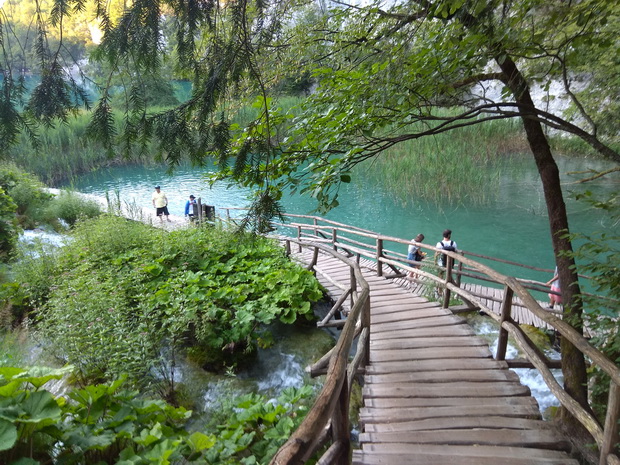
40,406
8,435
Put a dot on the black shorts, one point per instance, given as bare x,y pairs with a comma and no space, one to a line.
162,211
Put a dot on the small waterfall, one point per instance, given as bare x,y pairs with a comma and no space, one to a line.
529,377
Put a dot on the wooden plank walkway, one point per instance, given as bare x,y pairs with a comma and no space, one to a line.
489,296
434,395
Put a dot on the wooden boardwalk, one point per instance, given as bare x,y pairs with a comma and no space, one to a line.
434,395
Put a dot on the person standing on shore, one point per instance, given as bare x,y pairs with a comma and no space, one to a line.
160,202
190,205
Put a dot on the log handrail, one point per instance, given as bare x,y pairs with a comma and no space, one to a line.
331,407
606,436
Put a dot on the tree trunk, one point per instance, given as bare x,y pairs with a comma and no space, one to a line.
573,362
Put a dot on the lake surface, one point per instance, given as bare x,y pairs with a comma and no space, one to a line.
512,226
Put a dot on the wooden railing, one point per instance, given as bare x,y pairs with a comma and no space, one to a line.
343,240
328,420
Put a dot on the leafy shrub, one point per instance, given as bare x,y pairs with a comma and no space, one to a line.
27,192
121,291
8,225
599,256
70,207
104,424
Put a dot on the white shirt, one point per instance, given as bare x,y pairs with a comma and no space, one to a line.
440,244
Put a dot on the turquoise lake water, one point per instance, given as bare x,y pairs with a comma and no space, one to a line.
512,226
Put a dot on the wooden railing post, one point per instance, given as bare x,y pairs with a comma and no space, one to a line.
366,324
199,203
457,281
502,340
334,238
315,258
446,291
299,238
288,247
353,286
316,223
379,256
610,433
340,424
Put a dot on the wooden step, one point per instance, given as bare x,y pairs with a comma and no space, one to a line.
499,453
469,422
435,365
541,439
373,415
438,331
446,390
396,403
387,458
479,376
430,353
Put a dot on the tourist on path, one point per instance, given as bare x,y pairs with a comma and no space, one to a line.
555,288
415,254
190,207
446,244
160,202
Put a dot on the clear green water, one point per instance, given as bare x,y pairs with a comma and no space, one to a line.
513,226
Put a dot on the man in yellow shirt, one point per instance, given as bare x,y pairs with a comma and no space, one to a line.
160,202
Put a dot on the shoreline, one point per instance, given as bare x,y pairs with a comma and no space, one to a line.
132,212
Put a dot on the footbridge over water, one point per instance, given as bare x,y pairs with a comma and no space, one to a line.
433,393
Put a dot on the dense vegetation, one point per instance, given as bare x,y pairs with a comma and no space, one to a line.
108,423
123,297
120,304
25,203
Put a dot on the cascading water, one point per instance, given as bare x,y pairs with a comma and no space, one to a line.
528,376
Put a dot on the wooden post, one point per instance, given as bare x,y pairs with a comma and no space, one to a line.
446,291
299,238
288,248
316,231
610,433
315,258
379,255
366,324
458,275
340,423
334,238
506,310
199,202
353,286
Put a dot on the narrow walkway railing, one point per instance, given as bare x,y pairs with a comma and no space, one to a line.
328,420
344,241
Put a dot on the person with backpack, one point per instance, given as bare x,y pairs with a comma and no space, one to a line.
415,254
445,244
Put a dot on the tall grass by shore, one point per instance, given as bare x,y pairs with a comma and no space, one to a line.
66,152
450,167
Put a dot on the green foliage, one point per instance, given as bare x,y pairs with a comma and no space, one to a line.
71,207
120,291
8,225
599,258
106,424
62,152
